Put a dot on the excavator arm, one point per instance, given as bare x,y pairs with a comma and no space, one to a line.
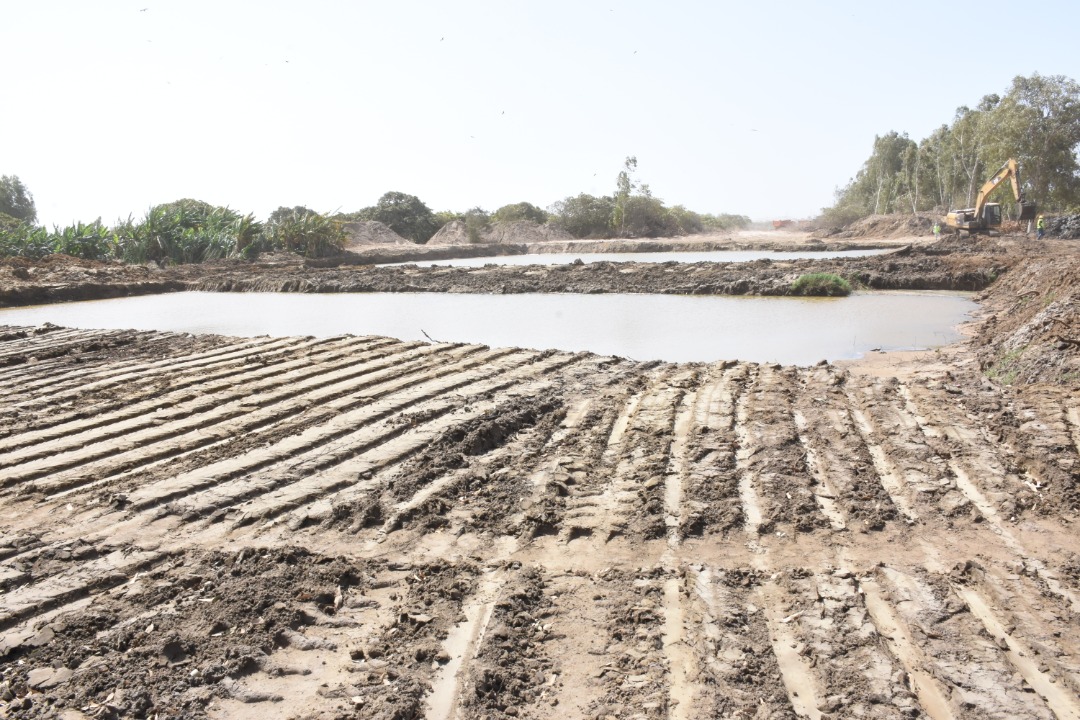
980,218
1011,171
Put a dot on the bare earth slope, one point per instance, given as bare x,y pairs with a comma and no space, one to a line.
363,527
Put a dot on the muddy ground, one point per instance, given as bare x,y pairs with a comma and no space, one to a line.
359,527
912,263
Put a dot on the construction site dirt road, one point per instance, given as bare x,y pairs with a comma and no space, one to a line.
203,526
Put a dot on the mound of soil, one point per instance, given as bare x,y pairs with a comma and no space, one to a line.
524,231
886,226
372,232
452,233
510,233
1034,333
1066,227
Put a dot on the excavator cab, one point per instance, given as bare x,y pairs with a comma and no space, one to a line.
991,215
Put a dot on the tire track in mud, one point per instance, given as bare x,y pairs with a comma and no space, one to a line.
253,488
706,455
211,421
543,535
79,383
968,661
157,393
911,472
968,458
777,486
184,398
848,486
627,492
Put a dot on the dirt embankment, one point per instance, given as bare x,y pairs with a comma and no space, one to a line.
972,266
906,270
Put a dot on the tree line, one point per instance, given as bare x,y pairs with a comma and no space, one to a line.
1036,121
191,231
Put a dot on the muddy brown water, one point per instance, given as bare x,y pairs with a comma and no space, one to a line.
727,256
792,331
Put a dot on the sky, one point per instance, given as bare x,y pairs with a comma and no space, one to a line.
760,108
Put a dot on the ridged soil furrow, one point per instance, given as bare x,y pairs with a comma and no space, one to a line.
266,485
840,459
648,470
773,458
914,475
1038,435
206,420
80,580
733,668
44,345
834,632
969,663
965,447
711,501
162,392
511,665
636,679
292,449
353,460
75,344
17,380
560,451
46,417
1034,628
461,645
75,385
629,498
168,404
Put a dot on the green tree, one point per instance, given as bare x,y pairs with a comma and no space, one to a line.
520,211
624,188
288,213
406,215
1038,123
304,231
477,221
585,216
16,200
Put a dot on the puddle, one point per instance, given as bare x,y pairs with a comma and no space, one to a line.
675,328
736,256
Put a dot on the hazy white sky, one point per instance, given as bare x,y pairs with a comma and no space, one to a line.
760,107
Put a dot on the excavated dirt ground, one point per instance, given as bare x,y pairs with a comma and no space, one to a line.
359,527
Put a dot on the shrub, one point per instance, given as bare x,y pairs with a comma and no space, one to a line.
821,284
520,211
305,232
585,216
477,221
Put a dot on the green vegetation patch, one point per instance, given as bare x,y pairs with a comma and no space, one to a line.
821,285
1006,369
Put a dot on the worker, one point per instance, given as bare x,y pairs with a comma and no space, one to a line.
937,231
1040,227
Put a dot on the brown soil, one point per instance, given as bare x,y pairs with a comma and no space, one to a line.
201,526
363,233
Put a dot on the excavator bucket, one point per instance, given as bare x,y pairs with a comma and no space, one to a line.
1027,210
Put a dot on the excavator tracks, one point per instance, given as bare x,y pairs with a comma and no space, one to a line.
363,527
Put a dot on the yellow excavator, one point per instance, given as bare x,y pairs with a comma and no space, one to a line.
987,215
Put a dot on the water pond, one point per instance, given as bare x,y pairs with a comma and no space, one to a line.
792,331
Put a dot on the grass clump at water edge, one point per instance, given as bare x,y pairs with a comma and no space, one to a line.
821,285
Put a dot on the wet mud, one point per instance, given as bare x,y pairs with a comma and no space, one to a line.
360,527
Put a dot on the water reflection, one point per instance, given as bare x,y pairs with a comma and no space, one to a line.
643,327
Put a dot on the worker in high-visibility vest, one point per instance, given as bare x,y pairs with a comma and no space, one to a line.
1040,227
937,231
